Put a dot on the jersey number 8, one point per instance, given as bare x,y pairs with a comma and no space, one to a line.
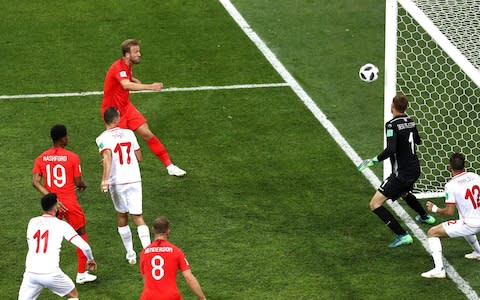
157,267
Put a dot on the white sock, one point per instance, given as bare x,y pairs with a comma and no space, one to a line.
144,235
436,249
472,240
73,299
126,235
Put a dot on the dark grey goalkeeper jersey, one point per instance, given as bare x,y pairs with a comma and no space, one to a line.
402,140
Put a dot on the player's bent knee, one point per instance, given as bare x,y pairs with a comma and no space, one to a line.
138,220
147,136
377,200
73,294
374,204
145,132
435,231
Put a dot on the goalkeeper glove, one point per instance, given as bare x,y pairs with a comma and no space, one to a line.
367,163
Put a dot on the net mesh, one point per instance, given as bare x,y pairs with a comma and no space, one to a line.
459,21
444,101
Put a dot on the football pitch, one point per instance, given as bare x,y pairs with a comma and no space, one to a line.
271,207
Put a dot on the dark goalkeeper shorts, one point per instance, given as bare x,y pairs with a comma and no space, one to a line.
394,187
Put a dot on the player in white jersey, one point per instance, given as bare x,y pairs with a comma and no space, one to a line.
121,176
462,192
44,237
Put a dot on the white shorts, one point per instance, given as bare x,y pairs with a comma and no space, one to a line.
127,198
457,228
33,284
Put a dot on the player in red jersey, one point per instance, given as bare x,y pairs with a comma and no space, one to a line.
116,90
60,171
159,263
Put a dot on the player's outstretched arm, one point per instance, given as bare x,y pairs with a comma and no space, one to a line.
85,247
367,163
448,210
134,86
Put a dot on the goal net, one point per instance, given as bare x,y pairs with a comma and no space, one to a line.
432,55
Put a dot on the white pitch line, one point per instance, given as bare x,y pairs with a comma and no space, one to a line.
165,90
337,136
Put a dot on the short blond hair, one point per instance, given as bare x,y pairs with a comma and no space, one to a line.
161,225
127,44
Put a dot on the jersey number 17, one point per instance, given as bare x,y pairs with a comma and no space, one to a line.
120,148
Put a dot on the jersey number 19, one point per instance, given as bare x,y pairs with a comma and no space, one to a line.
56,175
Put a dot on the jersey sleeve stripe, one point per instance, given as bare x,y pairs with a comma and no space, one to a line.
72,237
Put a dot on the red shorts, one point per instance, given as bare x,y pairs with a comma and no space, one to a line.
74,215
130,117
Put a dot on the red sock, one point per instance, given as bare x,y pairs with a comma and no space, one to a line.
81,258
159,150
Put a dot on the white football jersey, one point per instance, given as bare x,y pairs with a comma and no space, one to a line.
122,143
464,191
44,237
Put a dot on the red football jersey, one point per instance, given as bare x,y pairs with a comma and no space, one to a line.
59,167
159,263
113,92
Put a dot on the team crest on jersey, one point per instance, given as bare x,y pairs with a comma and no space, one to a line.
123,74
100,146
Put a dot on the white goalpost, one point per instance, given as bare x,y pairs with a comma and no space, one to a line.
432,55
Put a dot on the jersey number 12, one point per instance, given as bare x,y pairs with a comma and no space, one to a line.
473,195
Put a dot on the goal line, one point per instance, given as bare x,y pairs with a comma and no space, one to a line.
165,90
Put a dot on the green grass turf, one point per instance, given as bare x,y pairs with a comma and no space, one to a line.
323,44
272,226
69,47
271,208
